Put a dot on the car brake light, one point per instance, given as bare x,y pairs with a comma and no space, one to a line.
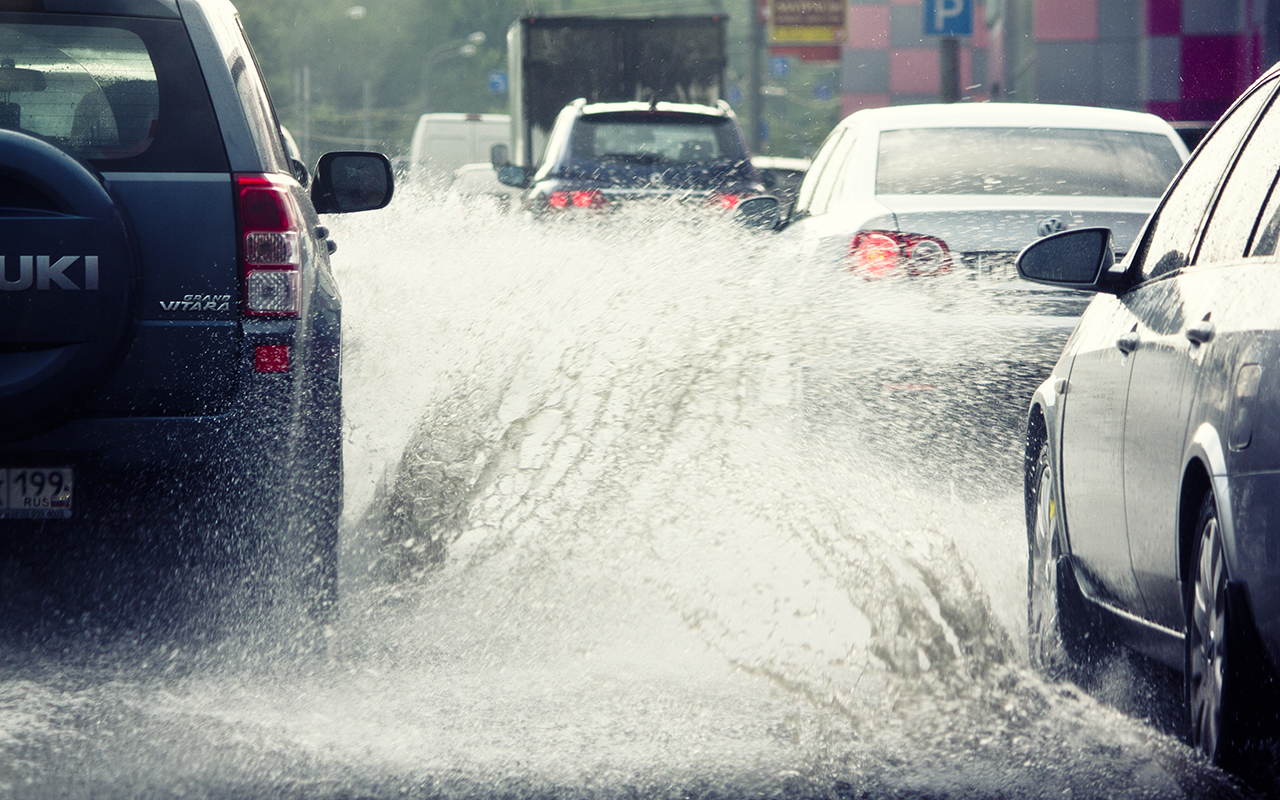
270,245
885,254
580,198
723,202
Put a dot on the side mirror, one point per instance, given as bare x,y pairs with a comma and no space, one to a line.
352,181
762,212
513,175
499,155
1075,259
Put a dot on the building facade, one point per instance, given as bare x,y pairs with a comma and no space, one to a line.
1180,59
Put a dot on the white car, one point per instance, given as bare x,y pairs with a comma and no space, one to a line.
961,188
926,208
479,182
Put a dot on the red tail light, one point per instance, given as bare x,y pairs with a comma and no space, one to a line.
582,198
270,245
886,254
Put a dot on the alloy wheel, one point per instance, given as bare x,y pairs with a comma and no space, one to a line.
1207,646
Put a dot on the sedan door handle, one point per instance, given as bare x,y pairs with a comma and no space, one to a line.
1201,332
1128,343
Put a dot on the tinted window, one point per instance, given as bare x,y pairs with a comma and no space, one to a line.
1169,239
90,89
655,139
1232,223
124,94
1025,161
1264,243
257,104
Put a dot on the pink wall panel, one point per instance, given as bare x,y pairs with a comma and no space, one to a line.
850,103
1066,20
868,28
914,71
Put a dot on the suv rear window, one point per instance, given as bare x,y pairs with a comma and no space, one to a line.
1025,161
655,138
122,94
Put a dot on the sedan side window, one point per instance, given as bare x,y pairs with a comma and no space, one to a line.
833,174
1168,243
819,165
1252,178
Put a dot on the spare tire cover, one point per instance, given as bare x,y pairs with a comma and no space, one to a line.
67,278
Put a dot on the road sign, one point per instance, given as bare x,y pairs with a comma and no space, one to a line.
822,92
779,67
498,82
735,94
807,22
948,17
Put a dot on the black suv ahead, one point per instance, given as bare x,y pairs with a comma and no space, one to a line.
603,157
169,325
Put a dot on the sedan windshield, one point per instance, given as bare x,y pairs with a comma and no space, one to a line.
1025,161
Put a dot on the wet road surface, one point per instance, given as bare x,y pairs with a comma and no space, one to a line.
649,510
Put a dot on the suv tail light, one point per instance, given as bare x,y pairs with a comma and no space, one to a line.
886,254
270,245
580,198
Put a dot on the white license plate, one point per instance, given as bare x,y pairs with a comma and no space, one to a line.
36,492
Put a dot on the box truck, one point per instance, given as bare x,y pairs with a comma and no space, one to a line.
555,60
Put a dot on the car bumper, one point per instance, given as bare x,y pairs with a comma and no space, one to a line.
1253,551
131,466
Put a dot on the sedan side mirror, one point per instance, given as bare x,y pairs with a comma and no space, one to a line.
513,175
1075,259
351,181
760,212
499,156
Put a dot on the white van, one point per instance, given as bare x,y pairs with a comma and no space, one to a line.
444,142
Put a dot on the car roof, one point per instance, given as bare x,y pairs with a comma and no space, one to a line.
984,115
678,108
126,8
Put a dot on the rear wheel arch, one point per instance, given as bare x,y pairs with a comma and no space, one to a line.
1196,483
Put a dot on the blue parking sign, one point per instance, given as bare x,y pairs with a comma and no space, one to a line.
498,82
948,17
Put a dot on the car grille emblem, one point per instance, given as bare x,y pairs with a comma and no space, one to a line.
1050,225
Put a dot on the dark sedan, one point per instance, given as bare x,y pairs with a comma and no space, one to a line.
1153,450
602,158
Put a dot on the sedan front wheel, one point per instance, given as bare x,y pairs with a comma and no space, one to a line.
1064,638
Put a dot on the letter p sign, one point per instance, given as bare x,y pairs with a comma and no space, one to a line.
948,17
